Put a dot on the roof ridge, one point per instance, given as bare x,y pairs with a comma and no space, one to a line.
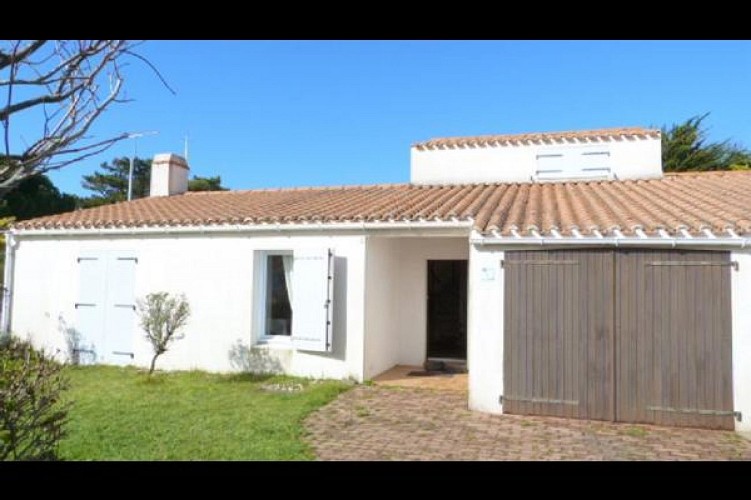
483,139
298,188
459,184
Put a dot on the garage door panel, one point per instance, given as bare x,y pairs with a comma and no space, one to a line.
559,336
673,331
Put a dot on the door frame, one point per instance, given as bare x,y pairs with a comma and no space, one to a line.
427,312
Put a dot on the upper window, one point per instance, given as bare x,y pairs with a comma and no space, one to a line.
278,300
573,163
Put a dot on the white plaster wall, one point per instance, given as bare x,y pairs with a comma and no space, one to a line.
381,309
741,299
485,329
397,290
168,178
160,180
629,159
216,274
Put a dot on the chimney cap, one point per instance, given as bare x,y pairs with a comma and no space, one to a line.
171,158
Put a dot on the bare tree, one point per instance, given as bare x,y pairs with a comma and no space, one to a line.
161,317
64,85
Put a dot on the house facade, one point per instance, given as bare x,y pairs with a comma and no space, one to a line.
572,275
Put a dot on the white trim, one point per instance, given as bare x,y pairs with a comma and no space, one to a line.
252,228
259,301
664,240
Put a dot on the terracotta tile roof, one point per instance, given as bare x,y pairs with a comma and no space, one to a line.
714,200
605,134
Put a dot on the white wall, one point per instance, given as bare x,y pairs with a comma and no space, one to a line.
216,274
741,298
485,329
396,299
382,306
629,159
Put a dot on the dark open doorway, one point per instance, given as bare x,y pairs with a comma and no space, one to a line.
447,309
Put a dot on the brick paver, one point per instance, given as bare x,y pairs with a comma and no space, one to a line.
386,423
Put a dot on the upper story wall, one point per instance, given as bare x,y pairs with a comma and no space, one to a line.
632,153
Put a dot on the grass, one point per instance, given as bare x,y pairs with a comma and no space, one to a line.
122,414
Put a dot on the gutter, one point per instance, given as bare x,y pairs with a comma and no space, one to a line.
7,290
662,241
272,228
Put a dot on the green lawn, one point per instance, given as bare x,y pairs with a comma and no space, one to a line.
121,414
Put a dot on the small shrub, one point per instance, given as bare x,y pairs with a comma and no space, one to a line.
162,317
32,415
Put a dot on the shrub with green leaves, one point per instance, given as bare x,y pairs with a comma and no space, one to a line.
162,316
32,414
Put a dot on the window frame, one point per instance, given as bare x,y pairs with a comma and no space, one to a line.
260,300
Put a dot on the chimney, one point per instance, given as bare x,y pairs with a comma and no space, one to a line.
169,175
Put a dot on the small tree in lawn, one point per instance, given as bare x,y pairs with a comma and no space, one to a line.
162,316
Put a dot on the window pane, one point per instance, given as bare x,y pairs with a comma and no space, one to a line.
278,308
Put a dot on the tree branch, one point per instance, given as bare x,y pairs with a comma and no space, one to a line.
15,55
69,84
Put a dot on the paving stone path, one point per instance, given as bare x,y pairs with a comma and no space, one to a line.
393,423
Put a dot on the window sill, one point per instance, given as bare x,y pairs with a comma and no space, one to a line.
281,342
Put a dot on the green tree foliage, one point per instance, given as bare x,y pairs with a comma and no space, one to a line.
110,184
685,148
35,196
32,413
198,183
161,317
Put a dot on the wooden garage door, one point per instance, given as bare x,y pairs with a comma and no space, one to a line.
558,338
673,334
633,336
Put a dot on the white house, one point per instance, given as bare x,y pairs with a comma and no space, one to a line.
571,274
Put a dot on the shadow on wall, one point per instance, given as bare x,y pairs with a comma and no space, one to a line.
75,351
339,328
253,360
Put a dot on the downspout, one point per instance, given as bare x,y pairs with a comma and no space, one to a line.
7,291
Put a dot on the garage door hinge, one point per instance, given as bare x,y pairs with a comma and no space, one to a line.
500,398
738,416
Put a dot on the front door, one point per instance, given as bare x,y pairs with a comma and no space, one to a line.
447,309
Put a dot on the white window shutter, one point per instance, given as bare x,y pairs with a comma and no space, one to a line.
88,330
120,308
312,299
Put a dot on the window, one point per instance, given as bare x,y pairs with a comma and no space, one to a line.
307,294
278,295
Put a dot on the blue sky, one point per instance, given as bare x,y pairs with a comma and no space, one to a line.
273,114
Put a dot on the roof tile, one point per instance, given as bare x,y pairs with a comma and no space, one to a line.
718,200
